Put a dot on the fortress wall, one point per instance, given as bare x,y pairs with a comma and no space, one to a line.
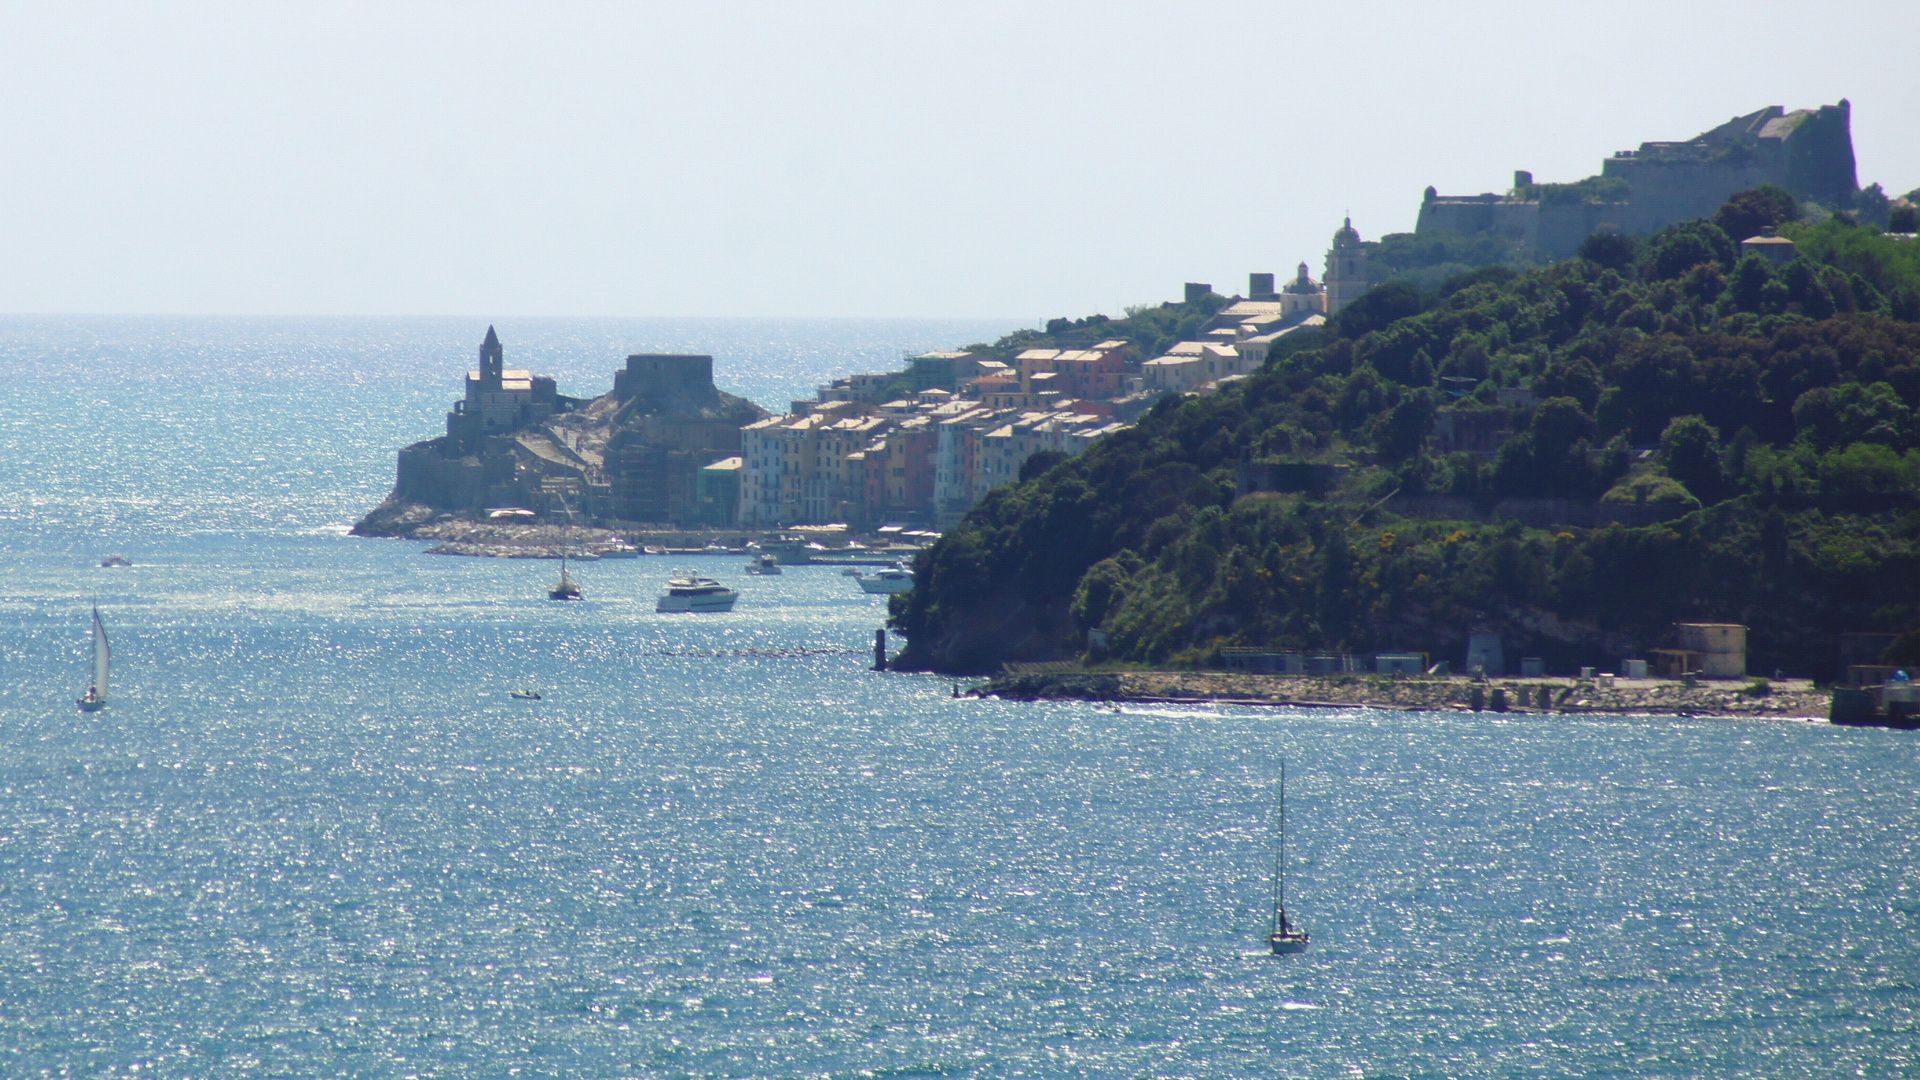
425,476
719,437
664,375
1463,215
1820,163
1565,227
1668,191
1808,152
1519,220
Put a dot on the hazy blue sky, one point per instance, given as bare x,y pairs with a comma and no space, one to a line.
1022,159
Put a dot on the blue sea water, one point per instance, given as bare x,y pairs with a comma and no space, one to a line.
313,837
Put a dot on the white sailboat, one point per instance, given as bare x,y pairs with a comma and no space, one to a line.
564,589
96,696
1285,937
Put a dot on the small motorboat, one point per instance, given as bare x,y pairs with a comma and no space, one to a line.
524,695
765,564
891,580
115,560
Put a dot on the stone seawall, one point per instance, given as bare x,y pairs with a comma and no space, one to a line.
1787,700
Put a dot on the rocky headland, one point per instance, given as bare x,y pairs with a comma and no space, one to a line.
633,454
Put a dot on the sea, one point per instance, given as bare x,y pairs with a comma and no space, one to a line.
313,836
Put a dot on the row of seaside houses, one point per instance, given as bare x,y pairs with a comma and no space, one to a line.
970,422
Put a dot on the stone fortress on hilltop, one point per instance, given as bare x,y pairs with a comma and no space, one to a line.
1809,152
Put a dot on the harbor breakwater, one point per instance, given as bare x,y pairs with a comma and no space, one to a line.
458,533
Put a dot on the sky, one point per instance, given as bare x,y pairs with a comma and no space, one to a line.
1021,159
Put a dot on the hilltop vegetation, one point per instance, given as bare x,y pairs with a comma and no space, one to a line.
1429,260
1771,411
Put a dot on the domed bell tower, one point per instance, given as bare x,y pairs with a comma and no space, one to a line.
1346,269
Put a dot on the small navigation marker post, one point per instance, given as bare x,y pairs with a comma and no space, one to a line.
880,649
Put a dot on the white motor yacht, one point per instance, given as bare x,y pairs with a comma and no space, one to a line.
687,592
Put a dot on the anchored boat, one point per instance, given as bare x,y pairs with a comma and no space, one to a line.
689,592
1285,937
564,589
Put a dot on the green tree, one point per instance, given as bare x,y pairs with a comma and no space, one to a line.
1614,250
1550,457
1690,449
1039,462
1378,308
1749,213
1680,247
1750,277
1407,426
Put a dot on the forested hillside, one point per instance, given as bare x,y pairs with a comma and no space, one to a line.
1766,414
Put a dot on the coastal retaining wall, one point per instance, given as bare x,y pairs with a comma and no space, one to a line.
1534,513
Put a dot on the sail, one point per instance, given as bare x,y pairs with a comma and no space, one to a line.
102,653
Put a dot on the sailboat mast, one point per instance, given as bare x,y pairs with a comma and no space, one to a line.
1280,858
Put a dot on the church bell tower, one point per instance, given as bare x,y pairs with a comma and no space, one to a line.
492,361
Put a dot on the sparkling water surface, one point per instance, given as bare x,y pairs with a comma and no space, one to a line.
312,836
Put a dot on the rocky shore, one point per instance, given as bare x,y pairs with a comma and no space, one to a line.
1786,700
464,534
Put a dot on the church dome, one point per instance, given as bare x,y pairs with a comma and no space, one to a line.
1347,234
